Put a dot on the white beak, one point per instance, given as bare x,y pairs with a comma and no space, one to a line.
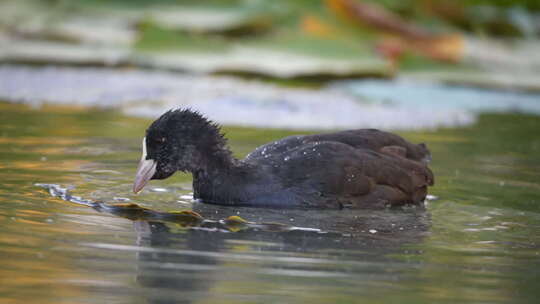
145,171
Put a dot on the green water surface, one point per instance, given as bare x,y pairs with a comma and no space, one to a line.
478,243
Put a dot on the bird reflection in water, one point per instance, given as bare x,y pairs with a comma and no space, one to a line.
185,254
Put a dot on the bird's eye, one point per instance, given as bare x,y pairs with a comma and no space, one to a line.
159,140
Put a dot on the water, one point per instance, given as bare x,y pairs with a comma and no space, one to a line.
421,95
478,243
227,100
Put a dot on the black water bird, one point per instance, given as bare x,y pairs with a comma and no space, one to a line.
364,168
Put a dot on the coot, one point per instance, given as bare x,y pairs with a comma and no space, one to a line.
363,168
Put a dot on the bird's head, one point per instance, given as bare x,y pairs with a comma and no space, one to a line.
179,140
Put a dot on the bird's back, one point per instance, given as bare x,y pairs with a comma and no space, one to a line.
371,139
360,168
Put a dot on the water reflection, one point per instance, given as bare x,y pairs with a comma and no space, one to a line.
182,256
182,276
187,265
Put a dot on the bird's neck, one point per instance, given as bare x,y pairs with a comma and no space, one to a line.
214,162
205,152
219,181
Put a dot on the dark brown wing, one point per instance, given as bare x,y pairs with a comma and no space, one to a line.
340,173
378,141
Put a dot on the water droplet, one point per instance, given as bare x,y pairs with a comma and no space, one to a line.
430,197
121,199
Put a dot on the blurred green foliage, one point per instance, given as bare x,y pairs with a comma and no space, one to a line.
156,38
307,28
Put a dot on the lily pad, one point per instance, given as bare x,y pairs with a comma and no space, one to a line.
47,52
490,64
94,30
210,20
265,62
